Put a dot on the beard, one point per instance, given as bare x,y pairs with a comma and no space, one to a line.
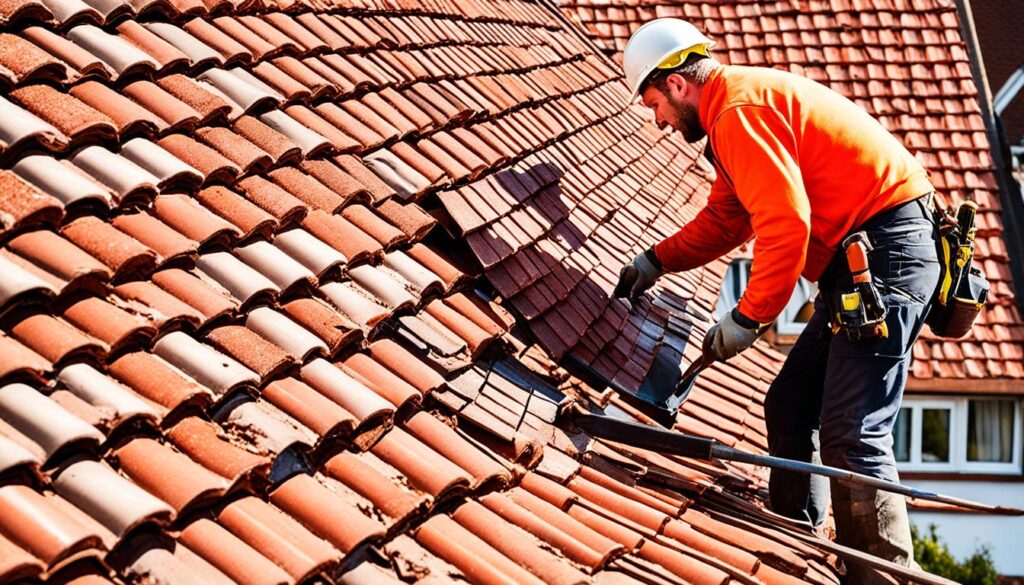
686,119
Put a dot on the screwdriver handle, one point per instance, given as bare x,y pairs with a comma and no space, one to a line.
857,258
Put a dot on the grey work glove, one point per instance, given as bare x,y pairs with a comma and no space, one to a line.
638,276
734,333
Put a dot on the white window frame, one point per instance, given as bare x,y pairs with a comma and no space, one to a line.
958,422
786,323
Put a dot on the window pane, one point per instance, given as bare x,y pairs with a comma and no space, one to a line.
990,430
934,435
901,434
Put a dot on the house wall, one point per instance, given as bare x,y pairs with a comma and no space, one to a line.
964,533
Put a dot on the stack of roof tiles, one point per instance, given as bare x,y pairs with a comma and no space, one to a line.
234,334
904,62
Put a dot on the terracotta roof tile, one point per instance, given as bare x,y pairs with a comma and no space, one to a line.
231,555
279,346
146,461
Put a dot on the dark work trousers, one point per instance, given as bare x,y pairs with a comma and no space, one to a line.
836,398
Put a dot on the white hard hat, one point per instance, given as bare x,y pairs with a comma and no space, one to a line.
662,43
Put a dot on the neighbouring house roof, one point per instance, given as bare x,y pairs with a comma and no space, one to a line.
998,27
268,277
904,62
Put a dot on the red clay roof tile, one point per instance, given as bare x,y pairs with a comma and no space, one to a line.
231,555
169,475
156,380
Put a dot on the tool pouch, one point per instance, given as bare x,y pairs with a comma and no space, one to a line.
855,317
963,289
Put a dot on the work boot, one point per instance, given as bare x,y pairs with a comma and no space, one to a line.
874,522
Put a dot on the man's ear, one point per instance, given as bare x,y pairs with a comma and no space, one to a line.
676,86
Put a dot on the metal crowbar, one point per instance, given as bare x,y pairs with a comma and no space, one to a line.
665,441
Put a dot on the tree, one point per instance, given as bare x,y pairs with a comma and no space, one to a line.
933,556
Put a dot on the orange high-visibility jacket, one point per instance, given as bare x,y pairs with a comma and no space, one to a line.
799,166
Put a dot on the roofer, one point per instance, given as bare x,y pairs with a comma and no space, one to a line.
801,168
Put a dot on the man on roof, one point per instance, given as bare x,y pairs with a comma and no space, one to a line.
800,168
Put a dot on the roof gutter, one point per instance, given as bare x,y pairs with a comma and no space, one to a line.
1009,189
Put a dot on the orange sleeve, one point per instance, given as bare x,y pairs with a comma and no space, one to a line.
722,225
758,149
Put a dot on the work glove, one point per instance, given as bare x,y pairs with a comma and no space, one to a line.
638,276
734,333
